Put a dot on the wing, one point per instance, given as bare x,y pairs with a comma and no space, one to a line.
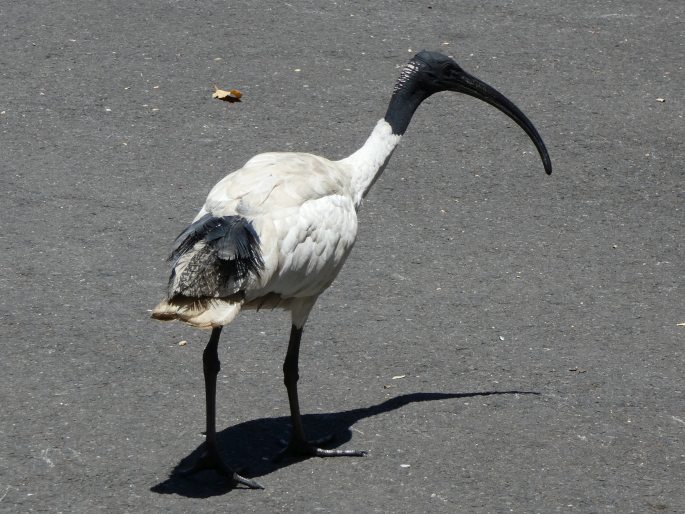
305,246
294,218
274,181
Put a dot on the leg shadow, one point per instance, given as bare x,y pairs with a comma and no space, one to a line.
254,444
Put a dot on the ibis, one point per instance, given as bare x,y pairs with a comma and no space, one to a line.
276,232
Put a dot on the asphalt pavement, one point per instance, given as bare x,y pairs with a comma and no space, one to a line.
499,340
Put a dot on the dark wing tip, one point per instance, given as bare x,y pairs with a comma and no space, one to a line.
219,267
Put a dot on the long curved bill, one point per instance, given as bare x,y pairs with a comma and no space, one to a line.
470,85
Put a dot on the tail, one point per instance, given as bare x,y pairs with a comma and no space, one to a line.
215,259
201,313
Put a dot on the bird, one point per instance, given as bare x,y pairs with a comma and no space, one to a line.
276,232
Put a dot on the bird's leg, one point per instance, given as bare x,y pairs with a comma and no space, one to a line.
298,442
210,458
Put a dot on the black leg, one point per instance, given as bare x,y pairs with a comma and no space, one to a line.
298,442
210,458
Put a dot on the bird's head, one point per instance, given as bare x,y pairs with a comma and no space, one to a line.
428,73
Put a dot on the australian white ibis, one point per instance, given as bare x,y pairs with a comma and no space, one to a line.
276,232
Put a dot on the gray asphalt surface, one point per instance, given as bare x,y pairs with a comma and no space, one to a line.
534,320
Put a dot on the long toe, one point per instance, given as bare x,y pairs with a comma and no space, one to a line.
304,449
322,452
210,460
248,482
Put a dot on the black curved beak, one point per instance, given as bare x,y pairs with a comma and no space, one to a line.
470,85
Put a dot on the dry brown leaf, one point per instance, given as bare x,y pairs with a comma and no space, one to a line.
233,95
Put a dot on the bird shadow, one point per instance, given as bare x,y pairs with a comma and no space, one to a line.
255,444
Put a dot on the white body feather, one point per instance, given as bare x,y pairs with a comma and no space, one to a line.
304,209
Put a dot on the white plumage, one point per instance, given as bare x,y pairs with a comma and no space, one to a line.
276,232
304,209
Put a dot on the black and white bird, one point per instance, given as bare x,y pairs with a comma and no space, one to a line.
276,232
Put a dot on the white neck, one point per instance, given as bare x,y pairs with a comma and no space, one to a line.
367,163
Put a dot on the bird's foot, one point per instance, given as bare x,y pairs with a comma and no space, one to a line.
210,460
302,449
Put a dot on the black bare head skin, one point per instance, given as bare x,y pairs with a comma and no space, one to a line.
428,73
437,71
